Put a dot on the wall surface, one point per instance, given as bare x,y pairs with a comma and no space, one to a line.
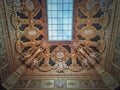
115,64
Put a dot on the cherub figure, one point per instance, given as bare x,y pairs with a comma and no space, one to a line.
60,65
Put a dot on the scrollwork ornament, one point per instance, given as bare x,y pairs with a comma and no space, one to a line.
104,3
101,46
19,46
16,4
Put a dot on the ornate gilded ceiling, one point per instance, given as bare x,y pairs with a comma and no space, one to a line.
90,21
57,64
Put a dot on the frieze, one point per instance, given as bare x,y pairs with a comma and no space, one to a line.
60,83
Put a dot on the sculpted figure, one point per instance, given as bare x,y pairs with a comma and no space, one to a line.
93,58
88,57
60,65
39,50
82,51
85,62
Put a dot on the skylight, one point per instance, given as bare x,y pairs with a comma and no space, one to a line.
60,20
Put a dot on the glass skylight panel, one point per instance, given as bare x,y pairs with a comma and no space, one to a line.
60,18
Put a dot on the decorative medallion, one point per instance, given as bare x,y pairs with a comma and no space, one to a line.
60,83
90,4
60,54
88,32
32,33
89,7
29,5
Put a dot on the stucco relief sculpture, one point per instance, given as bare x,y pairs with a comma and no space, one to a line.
38,51
31,57
60,66
89,58
60,63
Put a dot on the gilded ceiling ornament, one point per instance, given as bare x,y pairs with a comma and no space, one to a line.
29,5
32,57
32,33
60,55
89,7
16,4
104,3
87,33
60,83
89,58
60,65
90,4
19,46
